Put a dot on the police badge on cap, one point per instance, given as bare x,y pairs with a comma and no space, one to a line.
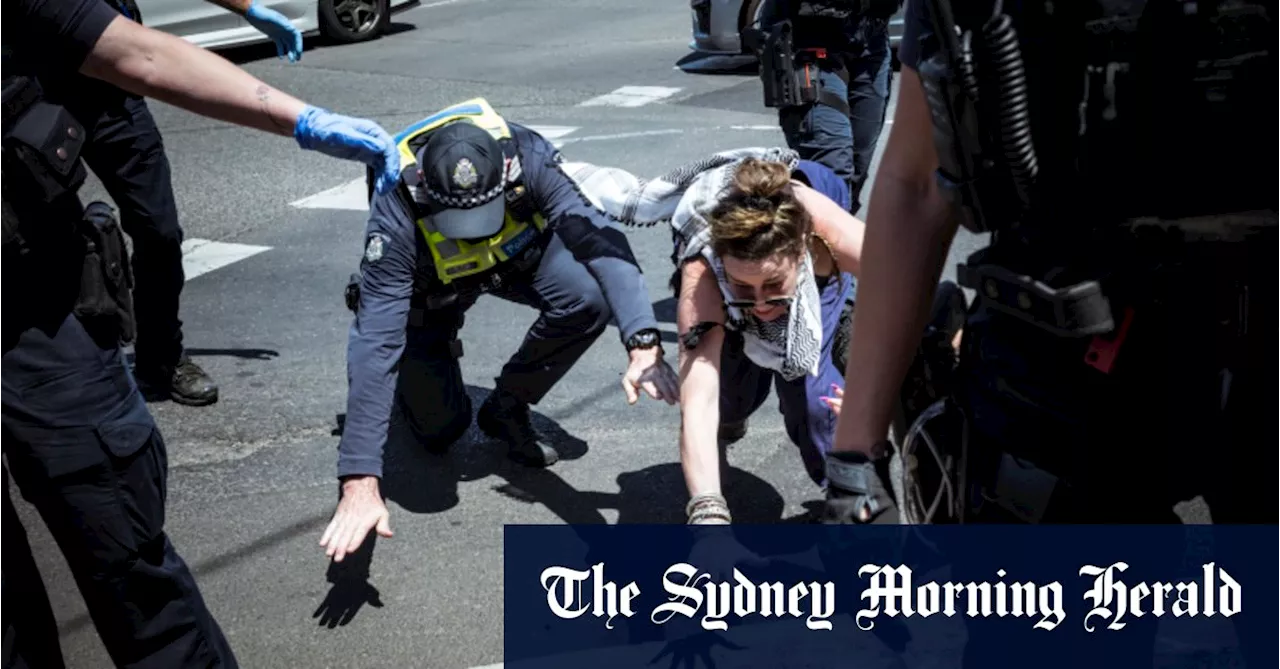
464,174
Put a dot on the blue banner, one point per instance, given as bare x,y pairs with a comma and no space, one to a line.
675,596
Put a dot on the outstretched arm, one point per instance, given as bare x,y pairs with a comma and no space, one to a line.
155,64
159,65
700,302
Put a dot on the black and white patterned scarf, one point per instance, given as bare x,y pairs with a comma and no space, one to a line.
684,197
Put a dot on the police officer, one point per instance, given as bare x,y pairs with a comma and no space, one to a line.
1120,352
835,55
78,438
484,208
126,151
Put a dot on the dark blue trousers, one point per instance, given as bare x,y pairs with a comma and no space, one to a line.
826,135
28,631
573,314
84,450
126,152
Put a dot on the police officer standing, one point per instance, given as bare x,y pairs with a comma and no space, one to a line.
126,152
826,66
78,438
1120,355
484,209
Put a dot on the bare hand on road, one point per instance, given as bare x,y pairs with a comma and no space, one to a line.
360,510
649,372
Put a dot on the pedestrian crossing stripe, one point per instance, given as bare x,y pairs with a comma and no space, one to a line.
201,256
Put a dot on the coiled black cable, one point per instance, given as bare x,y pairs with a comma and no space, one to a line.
1004,86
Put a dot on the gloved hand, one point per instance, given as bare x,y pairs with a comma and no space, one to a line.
350,139
273,24
856,492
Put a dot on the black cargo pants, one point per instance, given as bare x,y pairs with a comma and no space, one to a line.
573,314
84,450
126,152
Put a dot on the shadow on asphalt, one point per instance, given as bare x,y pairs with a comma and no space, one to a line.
266,51
426,482
351,589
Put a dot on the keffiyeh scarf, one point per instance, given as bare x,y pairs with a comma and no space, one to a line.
684,198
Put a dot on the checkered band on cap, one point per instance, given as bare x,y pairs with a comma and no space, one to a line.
464,202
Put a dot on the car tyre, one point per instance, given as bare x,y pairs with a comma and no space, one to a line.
350,21
746,17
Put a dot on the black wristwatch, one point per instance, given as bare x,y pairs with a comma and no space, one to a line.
643,339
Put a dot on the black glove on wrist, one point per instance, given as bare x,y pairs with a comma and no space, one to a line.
857,492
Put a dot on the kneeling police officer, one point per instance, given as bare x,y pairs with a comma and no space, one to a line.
483,209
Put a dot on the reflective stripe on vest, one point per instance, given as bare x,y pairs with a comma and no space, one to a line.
456,258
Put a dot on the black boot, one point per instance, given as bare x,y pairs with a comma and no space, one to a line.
185,383
506,419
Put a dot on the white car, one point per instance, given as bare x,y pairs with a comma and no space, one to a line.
212,27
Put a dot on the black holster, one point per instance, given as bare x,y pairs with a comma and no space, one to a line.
791,76
786,83
105,305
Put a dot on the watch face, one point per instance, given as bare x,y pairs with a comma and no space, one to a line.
646,338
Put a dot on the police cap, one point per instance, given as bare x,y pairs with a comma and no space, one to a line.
462,166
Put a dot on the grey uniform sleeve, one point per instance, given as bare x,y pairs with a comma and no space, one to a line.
588,234
377,336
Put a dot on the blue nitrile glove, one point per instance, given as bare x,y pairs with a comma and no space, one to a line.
350,139
273,24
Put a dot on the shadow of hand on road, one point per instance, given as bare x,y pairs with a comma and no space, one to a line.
351,588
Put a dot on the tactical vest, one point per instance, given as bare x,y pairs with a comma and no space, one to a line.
1148,108
455,259
1062,127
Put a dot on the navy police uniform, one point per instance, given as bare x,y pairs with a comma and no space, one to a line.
1120,353
126,152
483,209
79,441
849,44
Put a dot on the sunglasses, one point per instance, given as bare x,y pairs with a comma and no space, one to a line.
751,304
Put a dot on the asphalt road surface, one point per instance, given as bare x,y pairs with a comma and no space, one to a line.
273,233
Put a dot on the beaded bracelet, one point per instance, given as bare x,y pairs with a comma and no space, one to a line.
708,506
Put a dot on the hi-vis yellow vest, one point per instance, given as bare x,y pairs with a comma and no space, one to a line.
455,258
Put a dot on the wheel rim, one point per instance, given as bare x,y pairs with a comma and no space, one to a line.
357,16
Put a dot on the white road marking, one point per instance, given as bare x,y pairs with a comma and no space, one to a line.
624,135
352,196
438,3
631,96
490,666
201,256
552,131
